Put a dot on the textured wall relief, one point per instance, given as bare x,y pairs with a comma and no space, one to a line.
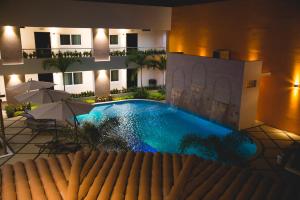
209,87
198,87
221,99
178,83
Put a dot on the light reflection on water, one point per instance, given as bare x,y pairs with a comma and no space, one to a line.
154,126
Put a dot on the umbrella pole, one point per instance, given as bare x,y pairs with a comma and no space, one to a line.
56,133
76,128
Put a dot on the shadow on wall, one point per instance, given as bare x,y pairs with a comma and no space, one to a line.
209,87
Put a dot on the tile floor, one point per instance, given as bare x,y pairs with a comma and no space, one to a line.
23,141
273,141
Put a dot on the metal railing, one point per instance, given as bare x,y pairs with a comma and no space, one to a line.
123,51
87,52
56,52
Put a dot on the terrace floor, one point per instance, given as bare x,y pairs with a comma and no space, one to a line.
273,141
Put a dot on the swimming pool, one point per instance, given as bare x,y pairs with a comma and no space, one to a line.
154,126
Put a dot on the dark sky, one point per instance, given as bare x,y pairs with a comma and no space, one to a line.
170,3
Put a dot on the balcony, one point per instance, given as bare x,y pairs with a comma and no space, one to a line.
32,61
41,53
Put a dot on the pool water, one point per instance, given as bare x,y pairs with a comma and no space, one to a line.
154,126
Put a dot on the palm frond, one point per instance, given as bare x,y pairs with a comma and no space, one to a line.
104,134
60,63
225,148
115,143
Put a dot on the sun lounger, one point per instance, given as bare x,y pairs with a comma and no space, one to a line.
37,125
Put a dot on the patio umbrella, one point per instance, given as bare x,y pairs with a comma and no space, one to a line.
63,110
42,96
30,85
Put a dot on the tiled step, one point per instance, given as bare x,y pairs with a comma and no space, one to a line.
92,175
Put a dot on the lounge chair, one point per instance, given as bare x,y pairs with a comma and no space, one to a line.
37,125
293,161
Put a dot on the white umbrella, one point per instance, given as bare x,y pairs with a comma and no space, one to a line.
30,85
63,110
42,96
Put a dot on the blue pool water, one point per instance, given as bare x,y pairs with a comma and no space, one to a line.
154,126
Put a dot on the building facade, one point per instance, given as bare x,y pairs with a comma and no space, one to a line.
101,43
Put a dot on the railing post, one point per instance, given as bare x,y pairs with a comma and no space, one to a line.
2,131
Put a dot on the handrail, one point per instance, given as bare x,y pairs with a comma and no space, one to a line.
86,52
111,48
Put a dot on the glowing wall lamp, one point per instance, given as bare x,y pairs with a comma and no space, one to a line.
296,84
14,79
100,34
9,31
102,74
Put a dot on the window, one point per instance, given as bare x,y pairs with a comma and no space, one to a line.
77,78
114,75
65,40
113,39
76,39
68,79
73,78
70,39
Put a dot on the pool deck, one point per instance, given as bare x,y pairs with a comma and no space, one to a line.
272,140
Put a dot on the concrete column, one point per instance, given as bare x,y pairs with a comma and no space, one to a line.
102,83
11,80
10,45
101,44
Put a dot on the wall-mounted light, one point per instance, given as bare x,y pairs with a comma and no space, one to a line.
9,31
102,74
296,84
14,79
100,34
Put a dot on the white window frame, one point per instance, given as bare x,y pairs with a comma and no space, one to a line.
73,77
117,37
111,75
70,37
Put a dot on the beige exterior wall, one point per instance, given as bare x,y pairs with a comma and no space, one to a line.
83,14
102,83
101,44
10,45
28,41
12,80
146,39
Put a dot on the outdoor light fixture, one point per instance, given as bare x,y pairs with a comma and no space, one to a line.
9,31
14,77
102,74
100,35
296,84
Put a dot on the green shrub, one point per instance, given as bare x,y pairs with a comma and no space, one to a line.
16,110
90,101
18,113
83,94
141,94
123,97
117,53
25,55
162,91
104,99
115,91
156,96
10,111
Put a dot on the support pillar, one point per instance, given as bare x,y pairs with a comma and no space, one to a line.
101,44
102,83
10,45
12,80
